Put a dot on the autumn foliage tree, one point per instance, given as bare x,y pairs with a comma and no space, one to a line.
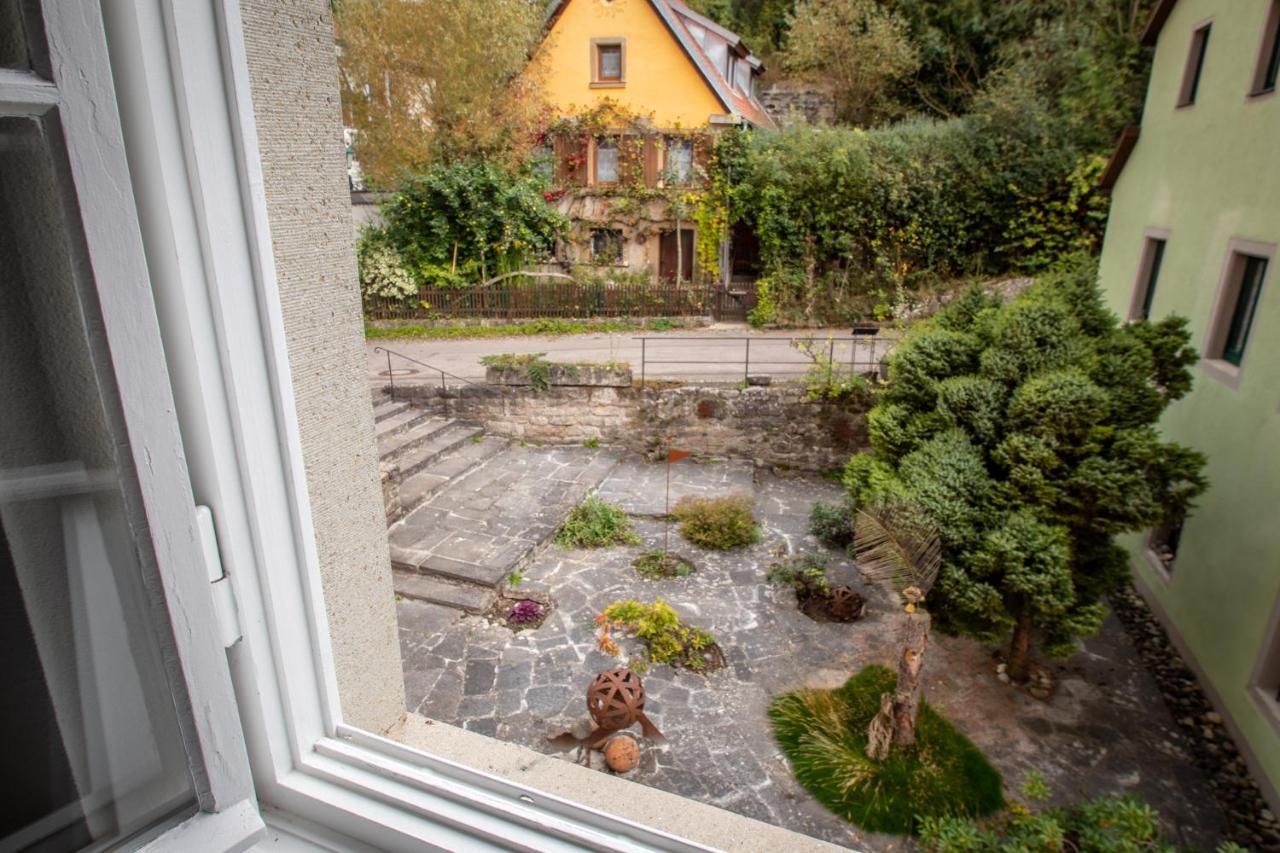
1026,432
429,81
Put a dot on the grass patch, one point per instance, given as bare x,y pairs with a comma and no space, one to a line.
512,330
661,565
824,734
718,524
596,524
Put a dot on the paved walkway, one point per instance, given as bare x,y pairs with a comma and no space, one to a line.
1106,730
722,357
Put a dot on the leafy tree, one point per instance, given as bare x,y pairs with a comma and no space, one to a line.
856,47
457,224
1026,432
428,81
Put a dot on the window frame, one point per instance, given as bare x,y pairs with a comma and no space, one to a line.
203,209
1155,246
71,86
599,81
667,178
1267,71
1193,72
616,144
1214,361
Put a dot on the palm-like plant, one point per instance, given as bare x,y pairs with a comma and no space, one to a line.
897,546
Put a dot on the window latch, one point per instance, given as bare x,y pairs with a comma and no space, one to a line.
224,600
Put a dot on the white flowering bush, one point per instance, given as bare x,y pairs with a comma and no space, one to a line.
382,270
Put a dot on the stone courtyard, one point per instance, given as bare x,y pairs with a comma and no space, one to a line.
1105,731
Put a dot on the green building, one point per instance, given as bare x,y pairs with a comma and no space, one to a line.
1193,231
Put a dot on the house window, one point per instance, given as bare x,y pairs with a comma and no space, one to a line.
1236,308
608,62
1264,80
1148,275
1162,546
606,246
679,161
542,162
1195,66
606,161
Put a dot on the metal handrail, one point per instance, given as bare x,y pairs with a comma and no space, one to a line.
391,379
854,339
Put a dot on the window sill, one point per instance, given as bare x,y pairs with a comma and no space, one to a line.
1260,95
1223,371
608,84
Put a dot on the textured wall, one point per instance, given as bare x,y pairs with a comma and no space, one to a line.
294,81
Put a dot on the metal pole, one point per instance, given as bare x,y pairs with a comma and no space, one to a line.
442,385
746,366
643,342
831,359
391,377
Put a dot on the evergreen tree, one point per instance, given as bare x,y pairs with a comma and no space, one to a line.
1026,431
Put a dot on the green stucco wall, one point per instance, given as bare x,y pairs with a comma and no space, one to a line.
1210,174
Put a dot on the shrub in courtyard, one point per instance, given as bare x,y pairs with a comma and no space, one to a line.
805,573
1101,825
660,565
824,735
718,524
832,523
666,639
1026,434
525,612
596,524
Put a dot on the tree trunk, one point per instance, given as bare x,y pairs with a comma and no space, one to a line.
1020,651
880,732
906,698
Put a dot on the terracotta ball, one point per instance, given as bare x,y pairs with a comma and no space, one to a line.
622,753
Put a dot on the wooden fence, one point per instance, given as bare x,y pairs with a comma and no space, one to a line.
563,299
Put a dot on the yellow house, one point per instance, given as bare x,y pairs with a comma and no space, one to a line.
639,88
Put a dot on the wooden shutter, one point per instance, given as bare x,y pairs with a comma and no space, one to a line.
652,155
571,161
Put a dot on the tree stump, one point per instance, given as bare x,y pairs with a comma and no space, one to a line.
906,697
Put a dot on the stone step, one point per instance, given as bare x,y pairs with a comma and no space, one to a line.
401,422
460,596
385,407
399,443
488,574
418,489
439,443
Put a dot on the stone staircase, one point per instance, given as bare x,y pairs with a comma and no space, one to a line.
464,508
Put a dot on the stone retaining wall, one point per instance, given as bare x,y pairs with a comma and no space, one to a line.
772,426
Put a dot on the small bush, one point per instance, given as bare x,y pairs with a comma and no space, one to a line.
596,524
666,639
538,368
832,524
660,565
525,612
824,734
806,573
718,524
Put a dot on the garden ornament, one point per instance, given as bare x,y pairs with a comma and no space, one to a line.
615,701
845,605
622,753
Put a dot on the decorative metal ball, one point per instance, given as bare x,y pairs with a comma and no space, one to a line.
622,753
845,604
615,699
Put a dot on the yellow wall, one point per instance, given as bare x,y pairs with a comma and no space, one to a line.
661,80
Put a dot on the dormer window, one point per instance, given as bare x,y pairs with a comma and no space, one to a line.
608,62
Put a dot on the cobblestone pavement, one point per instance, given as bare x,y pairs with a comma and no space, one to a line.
1106,730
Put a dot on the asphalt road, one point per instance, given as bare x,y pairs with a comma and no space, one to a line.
717,353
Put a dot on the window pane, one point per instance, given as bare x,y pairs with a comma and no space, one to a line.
611,62
1199,48
679,159
1273,61
606,161
1246,305
1153,276
13,39
93,749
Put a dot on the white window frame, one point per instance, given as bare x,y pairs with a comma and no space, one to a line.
183,81
71,88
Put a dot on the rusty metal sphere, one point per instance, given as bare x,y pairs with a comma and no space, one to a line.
622,753
615,699
845,604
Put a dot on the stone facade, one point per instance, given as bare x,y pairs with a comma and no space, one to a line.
791,105
294,84
771,426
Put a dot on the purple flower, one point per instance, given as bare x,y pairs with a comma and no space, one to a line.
525,612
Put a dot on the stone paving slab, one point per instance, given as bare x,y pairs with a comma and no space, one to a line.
1106,730
639,487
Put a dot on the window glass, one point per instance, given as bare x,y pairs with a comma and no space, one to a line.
610,62
679,160
89,709
13,39
1153,276
542,162
1254,270
606,161
1195,66
606,245
1272,67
